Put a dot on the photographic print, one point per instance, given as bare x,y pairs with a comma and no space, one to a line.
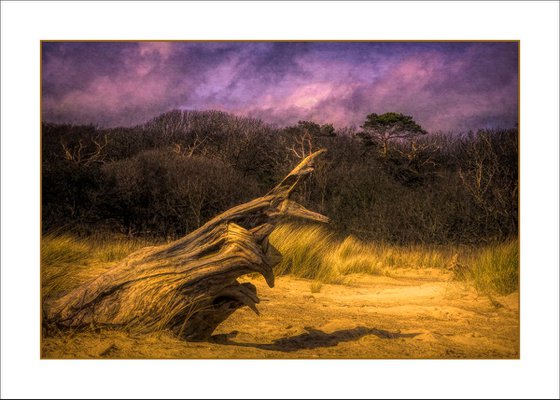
284,199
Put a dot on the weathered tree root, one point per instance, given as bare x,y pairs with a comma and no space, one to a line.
189,286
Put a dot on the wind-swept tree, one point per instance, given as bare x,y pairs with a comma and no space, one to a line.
379,130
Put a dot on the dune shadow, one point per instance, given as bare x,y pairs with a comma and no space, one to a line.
314,338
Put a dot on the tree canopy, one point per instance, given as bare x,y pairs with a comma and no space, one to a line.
169,176
380,129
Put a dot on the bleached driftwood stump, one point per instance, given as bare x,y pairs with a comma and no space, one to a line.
189,286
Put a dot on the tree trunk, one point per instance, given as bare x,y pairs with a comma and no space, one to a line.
188,286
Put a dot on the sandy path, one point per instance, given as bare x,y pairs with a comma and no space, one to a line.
411,314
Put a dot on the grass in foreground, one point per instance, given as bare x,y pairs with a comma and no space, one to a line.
495,268
309,251
68,261
314,252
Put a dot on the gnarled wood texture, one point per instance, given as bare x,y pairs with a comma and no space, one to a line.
189,286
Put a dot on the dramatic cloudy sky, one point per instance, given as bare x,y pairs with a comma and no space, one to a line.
444,86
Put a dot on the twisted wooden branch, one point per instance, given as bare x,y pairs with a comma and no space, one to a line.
189,286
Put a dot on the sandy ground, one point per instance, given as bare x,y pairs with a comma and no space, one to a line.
409,314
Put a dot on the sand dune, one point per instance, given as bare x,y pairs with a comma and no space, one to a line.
412,313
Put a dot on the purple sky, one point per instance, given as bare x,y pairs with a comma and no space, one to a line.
444,86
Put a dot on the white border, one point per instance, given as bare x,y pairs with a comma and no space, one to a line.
25,23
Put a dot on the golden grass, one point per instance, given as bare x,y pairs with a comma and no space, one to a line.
316,286
314,252
309,251
495,268
68,261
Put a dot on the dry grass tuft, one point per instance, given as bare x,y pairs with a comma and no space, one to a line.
495,268
68,261
309,251
314,252
316,286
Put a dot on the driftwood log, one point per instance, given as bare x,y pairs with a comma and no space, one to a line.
188,286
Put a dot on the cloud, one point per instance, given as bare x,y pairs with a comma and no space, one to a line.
444,86
161,49
442,91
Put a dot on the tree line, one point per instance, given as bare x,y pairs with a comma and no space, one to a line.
388,180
